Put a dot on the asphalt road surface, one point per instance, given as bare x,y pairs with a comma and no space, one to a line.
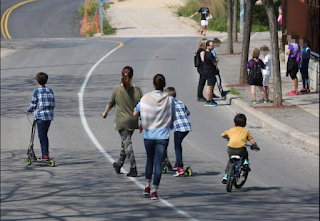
283,183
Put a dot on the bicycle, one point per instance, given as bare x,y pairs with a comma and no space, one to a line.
238,172
31,154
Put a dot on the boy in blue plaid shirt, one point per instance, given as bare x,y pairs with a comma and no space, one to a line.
42,105
181,128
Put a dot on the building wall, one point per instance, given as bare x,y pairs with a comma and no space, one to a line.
302,18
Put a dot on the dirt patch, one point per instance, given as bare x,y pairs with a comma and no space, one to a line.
134,18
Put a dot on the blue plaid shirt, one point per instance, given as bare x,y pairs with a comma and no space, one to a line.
42,103
182,123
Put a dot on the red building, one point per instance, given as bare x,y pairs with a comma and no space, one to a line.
302,17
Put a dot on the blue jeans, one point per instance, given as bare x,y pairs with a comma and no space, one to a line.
178,138
43,128
156,150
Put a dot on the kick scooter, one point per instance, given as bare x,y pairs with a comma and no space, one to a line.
31,155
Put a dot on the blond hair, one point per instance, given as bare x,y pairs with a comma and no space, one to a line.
255,53
202,44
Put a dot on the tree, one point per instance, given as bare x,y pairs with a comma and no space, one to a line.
269,7
229,8
235,21
246,41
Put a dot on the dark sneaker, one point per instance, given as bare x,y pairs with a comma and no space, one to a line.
170,168
45,158
224,178
246,166
224,93
215,96
154,196
201,99
146,191
116,167
133,172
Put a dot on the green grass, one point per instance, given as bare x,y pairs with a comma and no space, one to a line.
218,9
107,28
234,91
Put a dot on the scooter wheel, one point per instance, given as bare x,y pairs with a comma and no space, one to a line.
189,171
28,161
164,169
52,163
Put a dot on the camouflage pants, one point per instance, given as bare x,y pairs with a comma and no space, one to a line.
126,148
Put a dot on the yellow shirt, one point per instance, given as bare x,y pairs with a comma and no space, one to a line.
238,137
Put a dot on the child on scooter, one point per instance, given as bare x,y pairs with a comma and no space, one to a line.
238,137
181,128
42,104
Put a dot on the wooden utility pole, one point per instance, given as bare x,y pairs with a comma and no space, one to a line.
246,41
269,7
235,21
230,44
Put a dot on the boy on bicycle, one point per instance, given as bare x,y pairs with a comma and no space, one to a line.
42,104
238,137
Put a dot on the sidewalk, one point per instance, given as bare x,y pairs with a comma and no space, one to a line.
297,121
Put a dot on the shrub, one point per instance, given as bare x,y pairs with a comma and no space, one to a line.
91,29
107,28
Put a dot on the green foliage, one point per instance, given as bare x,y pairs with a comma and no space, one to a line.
233,91
93,5
218,25
81,10
188,8
107,28
219,12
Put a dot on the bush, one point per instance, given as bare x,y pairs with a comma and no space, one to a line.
107,28
93,5
218,9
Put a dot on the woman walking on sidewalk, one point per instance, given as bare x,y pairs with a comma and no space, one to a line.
125,97
157,111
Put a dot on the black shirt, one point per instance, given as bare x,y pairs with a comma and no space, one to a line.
204,12
209,68
200,68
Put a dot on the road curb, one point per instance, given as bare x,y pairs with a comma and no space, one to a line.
278,128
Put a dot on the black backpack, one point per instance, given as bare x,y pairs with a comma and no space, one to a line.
256,72
197,60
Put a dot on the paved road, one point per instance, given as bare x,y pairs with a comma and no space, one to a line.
43,19
283,184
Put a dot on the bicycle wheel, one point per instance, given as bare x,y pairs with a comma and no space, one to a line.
241,179
230,179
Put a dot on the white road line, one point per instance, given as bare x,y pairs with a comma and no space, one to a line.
100,147
254,35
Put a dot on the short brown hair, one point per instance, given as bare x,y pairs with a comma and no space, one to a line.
216,40
171,91
240,120
255,53
42,78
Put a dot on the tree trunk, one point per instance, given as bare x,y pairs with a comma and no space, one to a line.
246,41
269,7
235,21
230,44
